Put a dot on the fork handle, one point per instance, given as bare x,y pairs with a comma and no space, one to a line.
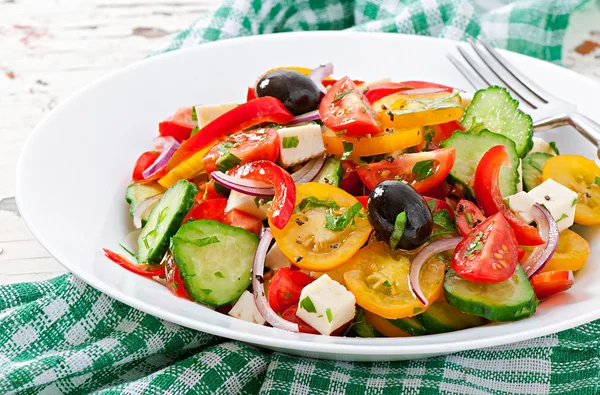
589,128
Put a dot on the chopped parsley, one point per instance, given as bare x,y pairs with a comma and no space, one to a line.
200,242
417,309
341,132
338,223
552,145
441,218
261,201
219,274
194,114
348,148
127,250
399,226
475,245
329,314
340,95
386,283
596,181
574,203
224,147
206,291
423,169
194,131
175,285
162,215
287,295
313,202
562,217
290,142
308,305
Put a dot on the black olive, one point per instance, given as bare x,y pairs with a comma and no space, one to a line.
297,92
390,198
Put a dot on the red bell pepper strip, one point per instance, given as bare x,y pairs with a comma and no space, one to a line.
251,95
364,200
179,126
426,84
143,162
382,89
142,270
487,193
174,281
254,112
284,201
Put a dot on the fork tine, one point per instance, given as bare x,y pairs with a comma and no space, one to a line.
537,90
475,81
473,63
496,70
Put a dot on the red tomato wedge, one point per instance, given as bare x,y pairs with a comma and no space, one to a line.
345,108
179,126
284,201
142,269
243,220
549,283
251,94
489,254
142,163
254,112
213,209
285,287
425,84
422,170
382,89
241,148
468,216
487,193
443,131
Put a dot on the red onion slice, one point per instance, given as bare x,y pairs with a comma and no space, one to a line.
319,74
141,208
247,187
422,91
259,289
548,230
310,170
307,117
421,258
168,147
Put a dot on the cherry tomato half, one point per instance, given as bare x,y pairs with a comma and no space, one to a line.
243,220
549,283
344,107
179,126
422,170
468,216
143,162
285,288
213,209
489,254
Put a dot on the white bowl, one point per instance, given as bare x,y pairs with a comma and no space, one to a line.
74,169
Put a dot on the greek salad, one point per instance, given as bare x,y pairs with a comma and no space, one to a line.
349,208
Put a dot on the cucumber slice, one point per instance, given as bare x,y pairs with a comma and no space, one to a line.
470,147
362,327
331,173
137,193
441,317
215,260
410,325
499,112
509,300
533,164
164,220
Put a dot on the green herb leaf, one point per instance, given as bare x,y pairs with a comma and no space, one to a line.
175,285
313,202
199,242
442,219
329,315
223,148
562,217
469,218
399,226
338,223
443,258
596,181
308,305
290,142
128,250
428,133
194,114
194,131
341,132
340,95
386,283
219,274
475,245
552,145
423,169
431,205
206,291
574,203
287,295
162,215
417,309
262,201
348,148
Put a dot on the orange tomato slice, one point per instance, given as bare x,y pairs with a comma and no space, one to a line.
381,143
571,253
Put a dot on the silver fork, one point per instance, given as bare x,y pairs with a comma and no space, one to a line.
547,111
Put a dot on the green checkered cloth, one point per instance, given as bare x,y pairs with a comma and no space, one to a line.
62,336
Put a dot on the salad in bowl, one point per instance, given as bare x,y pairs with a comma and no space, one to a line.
348,208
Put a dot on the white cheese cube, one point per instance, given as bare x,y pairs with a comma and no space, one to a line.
300,143
541,145
276,259
558,199
520,203
209,112
326,305
245,309
246,204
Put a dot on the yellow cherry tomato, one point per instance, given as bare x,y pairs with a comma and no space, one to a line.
571,253
387,141
383,326
378,278
308,242
409,111
581,175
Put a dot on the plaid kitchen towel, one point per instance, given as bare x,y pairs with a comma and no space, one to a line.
64,337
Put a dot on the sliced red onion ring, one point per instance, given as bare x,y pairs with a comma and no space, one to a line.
548,230
169,146
310,170
421,91
141,209
307,117
247,187
421,258
319,74
259,289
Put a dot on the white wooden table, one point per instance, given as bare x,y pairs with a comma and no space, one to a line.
51,48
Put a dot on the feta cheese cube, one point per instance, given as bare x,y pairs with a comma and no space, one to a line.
245,309
276,259
465,98
246,204
520,203
207,113
326,305
541,145
558,199
300,143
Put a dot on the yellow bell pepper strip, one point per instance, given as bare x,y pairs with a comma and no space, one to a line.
381,143
254,112
188,169
408,111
